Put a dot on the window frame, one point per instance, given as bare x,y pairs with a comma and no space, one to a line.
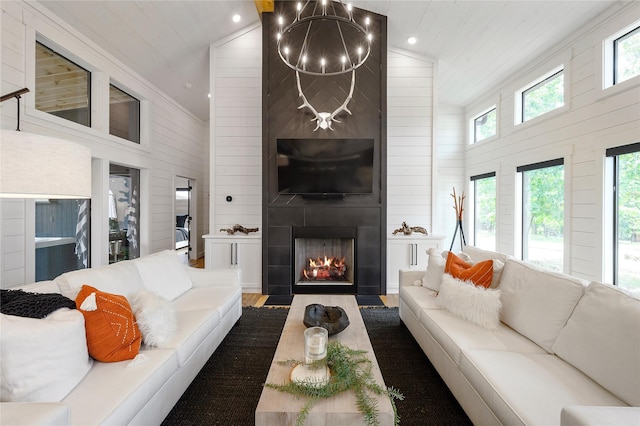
612,156
53,48
538,85
563,67
615,54
608,63
520,170
473,137
475,209
127,92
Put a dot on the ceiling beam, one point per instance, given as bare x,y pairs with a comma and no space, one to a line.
264,6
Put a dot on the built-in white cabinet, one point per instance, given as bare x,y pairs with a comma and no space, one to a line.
408,252
242,252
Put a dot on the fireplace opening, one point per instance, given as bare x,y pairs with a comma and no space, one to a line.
324,260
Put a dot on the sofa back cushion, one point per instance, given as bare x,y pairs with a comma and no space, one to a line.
118,278
602,339
163,273
479,255
40,287
537,303
42,360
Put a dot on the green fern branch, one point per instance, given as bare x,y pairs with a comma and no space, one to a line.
350,370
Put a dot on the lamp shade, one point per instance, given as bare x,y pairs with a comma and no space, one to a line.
36,166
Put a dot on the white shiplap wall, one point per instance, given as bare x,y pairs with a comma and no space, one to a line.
592,121
449,171
174,144
410,108
236,131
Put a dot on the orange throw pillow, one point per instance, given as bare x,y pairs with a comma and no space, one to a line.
112,332
480,274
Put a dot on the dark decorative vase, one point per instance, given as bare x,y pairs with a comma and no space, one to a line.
333,318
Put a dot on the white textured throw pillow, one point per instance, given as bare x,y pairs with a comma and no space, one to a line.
478,305
156,318
435,270
42,360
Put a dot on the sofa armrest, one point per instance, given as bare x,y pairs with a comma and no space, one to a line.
583,415
213,277
408,278
34,413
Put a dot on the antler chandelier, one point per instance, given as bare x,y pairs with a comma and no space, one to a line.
324,39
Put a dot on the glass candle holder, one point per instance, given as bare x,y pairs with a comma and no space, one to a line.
315,344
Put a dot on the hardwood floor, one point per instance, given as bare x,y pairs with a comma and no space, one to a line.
257,299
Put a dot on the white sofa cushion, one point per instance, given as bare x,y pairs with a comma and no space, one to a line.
418,298
40,287
193,329
114,392
537,303
42,359
602,339
221,298
530,389
40,414
456,335
581,415
120,278
499,259
164,274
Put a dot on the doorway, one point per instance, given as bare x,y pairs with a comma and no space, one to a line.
182,205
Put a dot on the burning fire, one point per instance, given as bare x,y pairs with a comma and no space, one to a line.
331,268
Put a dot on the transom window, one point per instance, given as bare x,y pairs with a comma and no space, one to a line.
626,56
62,87
543,96
484,126
124,115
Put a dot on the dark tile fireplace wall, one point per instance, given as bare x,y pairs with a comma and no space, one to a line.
283,120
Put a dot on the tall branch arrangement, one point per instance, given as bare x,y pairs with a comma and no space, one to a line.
458,205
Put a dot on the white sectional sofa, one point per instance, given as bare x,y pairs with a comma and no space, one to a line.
206,305
565,352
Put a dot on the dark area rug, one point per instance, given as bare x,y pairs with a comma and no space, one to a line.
227,389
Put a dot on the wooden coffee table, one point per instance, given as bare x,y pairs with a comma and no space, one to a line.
281,408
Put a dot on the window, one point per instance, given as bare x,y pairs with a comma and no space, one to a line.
62,87
543,96
625,167
62,237
124,115
626,56
543,213
124,213
484,126
484,211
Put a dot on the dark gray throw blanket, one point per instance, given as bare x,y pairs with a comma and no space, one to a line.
32,305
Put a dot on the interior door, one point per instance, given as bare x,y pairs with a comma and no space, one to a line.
183,216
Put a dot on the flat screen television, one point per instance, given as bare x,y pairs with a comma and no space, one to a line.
325,166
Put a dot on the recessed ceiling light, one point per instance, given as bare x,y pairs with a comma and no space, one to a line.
236,18
412,40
